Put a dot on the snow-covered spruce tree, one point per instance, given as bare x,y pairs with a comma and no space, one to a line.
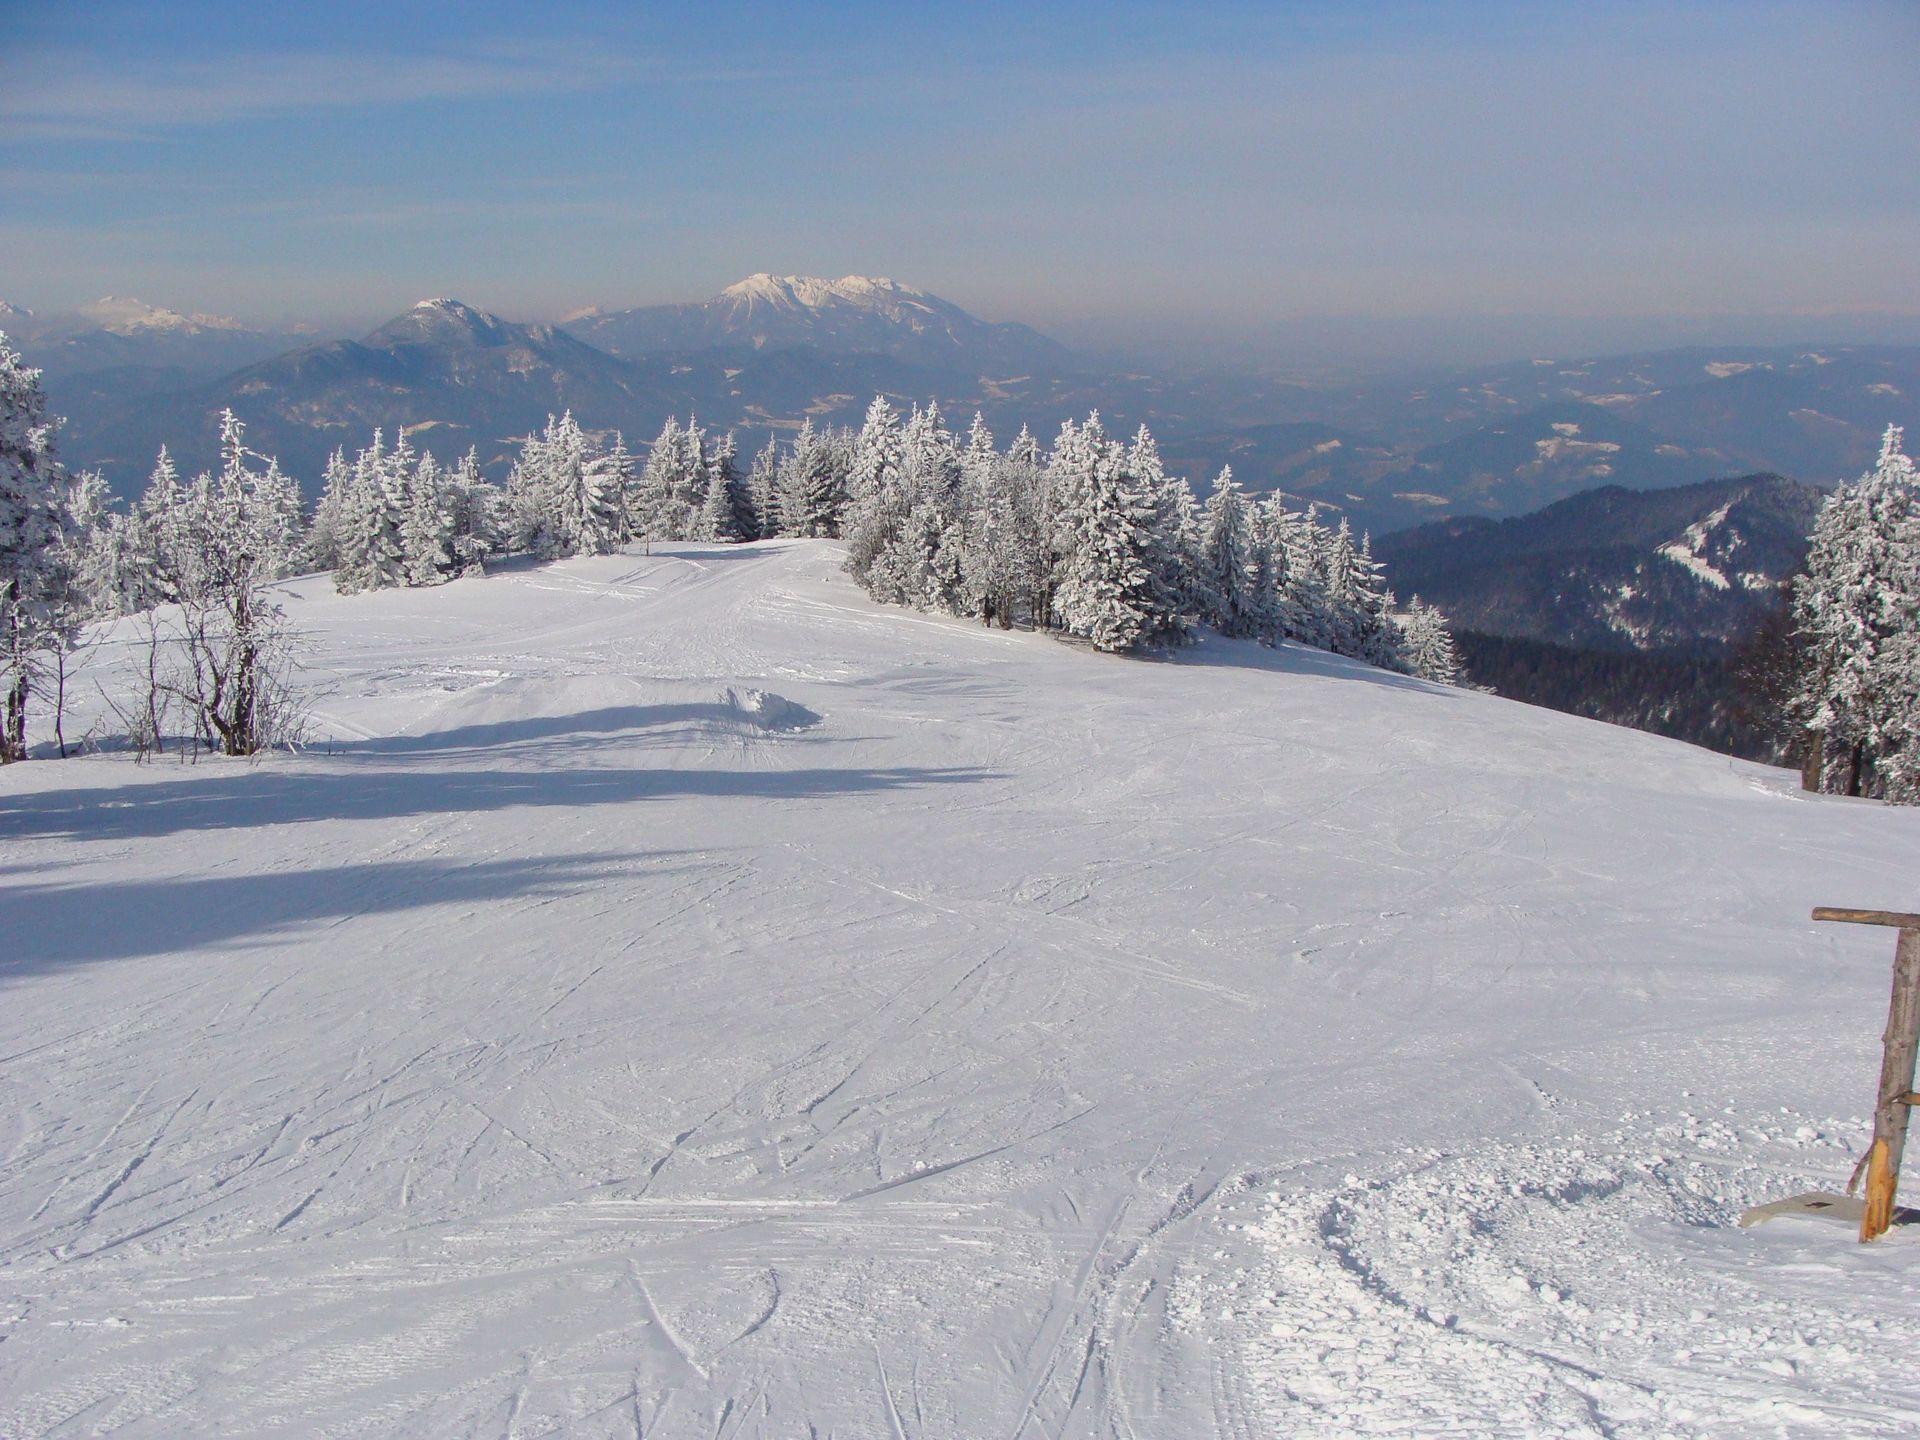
1176,534
93,543
1857,599
329,512
475,512
606,477
1003,552
1378,637
1229,572
726,459
1898,767
1426,647
725,514
1108,592
763,481
1302,550
821,461
920,508
32,510
671,487
147,529
1287,540
85,581
877,504
426,534
569,496
790,485
371,552
1335,554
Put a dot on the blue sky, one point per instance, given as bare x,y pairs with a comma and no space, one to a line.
1107,170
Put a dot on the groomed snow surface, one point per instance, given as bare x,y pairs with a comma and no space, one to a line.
682,998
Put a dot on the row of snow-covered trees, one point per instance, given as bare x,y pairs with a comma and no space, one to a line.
1090,537
392,515
1093,537
1854,689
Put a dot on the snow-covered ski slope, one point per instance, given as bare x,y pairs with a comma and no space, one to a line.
686,999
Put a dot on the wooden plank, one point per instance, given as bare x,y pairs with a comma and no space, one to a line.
1891,1111
1899,919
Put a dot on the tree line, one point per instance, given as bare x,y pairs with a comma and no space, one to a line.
1089,538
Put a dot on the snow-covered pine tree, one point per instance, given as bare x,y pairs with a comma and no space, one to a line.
724,513
763,480
1107,591
1003,552
1228,571
1337,556
650,505
474,511
724,461
920,563
823,466
329,512
978,454
600,524
790,489
277,494
1377,638
876,501
426,534
372,554
717,520
32,492
1307,606
1859,595
690,480
156,519
1065,497
1177,539
92,545
1426,647
1264,586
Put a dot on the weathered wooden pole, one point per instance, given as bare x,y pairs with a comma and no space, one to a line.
1894,1103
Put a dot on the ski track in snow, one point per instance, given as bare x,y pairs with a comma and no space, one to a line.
676,997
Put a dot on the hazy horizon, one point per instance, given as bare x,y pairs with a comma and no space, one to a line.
1136,177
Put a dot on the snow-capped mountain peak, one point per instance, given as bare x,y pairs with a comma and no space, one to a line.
855,314
444,320
124,315
812,292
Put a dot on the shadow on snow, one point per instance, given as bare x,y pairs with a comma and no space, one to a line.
366,790
57,925
610,721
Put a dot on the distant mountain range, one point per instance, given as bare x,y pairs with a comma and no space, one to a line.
1615,569
770,351
116,333
1621,605
856,314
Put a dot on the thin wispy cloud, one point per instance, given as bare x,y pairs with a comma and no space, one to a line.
69,96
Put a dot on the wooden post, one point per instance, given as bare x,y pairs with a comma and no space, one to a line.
1892,1105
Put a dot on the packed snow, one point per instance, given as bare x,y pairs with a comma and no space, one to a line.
677,996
